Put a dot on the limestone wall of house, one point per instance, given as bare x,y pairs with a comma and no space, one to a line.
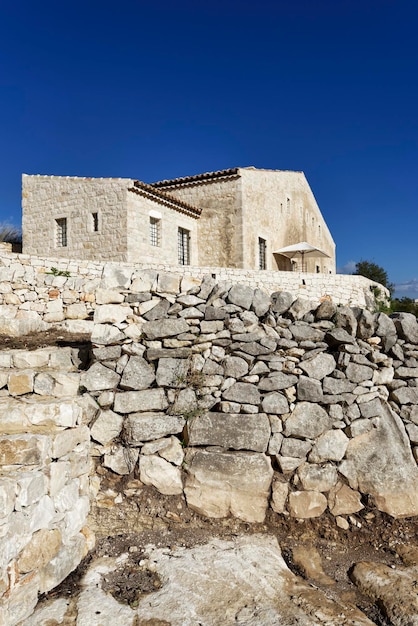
279,207
220,224
46,199
140,250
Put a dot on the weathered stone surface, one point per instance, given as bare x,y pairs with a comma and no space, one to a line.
330,446
395,590
308,560
245,393
65,441
107,426
358,373
275,403
239,432
20,383
169,448
405,395
279,493
261,302
121,459
380,463
159,329
295,448
106,334
326,310
165,477
108,296
307,420
140,427
63,563
41,549
338,337
172,372
305,332
138,374
223,483
317,477
344,501
281,301
24,449
241,295
279,597
306,504
366,324
309,389
407,326
98,377
320,366
336,386
235,367
142,400
345,318
277,381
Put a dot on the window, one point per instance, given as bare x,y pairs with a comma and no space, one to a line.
183,241
95,222
261,254
61,232
154,231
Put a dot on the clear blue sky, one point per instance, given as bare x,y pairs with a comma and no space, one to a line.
160,89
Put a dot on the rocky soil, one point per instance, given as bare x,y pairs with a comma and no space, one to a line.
148,541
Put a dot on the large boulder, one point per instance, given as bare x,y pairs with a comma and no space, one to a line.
379,462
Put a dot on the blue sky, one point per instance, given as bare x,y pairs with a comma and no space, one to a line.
161,89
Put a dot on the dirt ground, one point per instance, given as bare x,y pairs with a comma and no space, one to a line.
165,521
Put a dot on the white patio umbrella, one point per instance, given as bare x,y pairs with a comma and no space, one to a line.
303,248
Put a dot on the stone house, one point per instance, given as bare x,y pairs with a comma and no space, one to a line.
236,218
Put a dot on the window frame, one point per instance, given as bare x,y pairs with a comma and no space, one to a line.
61,232
183,246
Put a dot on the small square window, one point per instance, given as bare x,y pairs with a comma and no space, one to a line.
154,231
61,232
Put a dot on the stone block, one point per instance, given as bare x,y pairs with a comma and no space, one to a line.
317,477
307,504
121,459
108,296
107,426
65,441
30,488
143,400
111,314
159,329
223,483
62,563
43,546
20,383
98,378
140,427
229,430
172,372
156,471
24,450
307,420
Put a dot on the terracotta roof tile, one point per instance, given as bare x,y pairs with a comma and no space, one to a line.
207,177
162,197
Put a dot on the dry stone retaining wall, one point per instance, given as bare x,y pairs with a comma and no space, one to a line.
31,293
217,391
44,477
